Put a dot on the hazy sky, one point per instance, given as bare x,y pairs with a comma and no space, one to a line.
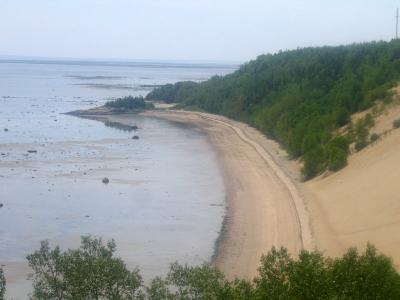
218,30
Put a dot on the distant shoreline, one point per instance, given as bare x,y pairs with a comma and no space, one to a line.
261,210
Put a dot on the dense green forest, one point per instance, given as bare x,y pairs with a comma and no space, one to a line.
300,97
129,103
94,272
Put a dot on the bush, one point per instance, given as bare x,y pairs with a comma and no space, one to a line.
361,132
337,151
396,123
374,137
2,284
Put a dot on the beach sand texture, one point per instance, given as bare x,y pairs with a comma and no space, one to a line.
360,203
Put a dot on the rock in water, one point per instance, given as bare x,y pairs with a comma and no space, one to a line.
105,180
135,137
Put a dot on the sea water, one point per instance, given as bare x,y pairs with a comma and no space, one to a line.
165,198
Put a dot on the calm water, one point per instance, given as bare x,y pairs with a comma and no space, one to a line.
165,199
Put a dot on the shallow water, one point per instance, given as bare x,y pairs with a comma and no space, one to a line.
165,199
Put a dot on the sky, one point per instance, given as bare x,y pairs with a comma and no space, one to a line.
187,30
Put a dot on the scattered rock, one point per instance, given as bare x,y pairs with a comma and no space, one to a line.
135,137
87,216
1,205
105,180
32,151
5,129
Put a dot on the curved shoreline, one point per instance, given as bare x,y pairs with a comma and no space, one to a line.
237,255
264,207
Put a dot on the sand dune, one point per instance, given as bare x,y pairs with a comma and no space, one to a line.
361,203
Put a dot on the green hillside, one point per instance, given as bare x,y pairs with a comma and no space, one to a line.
300,97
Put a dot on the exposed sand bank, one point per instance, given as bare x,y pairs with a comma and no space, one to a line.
265,208
360,203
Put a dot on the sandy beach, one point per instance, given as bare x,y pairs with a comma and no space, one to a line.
264,205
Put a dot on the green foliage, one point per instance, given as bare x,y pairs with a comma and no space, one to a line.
361,131
2,284
90,272
396,123
374,137
366,276
300,97
337,151
312,276
129,103
273,281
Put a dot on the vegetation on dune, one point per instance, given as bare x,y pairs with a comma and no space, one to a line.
129,103
300,97
93,272
396,123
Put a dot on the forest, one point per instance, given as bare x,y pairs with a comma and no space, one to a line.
301,98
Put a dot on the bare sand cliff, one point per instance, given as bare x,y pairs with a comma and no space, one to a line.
361,203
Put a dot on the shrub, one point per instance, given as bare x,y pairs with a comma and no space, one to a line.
396,123
362,131
374,137
2,284
337,151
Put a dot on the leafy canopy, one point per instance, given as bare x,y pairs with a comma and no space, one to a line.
299,97
92,272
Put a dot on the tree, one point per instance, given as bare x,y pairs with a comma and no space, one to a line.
273,281
299,97
197,283
2,284
367,276
90,272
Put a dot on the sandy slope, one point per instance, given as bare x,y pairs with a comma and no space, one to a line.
265,208
360,203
